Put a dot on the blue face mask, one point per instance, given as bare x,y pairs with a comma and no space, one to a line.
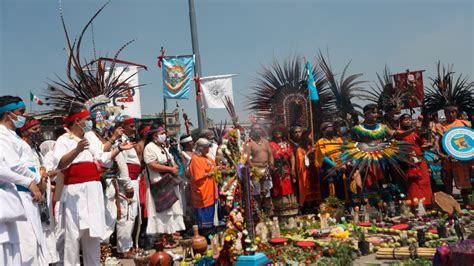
88,126
343,130
19,122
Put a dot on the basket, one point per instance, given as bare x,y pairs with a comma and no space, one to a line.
142,261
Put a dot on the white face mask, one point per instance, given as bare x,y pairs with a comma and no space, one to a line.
161,138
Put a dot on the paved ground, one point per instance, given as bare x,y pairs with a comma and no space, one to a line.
362,261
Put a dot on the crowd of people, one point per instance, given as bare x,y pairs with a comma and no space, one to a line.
129,181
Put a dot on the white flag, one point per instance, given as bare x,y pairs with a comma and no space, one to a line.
215,89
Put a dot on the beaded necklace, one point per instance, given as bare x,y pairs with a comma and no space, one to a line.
376,131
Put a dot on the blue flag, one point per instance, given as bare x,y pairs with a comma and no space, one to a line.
313,91
177,74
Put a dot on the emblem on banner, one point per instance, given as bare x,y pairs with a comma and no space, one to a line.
459,143
177,74
175,78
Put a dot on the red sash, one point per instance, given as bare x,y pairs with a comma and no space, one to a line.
134,171
81,173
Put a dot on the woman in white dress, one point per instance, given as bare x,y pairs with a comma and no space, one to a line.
165,213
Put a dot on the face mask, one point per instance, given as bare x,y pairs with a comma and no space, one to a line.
19,122
161,138
331,133
405,127
88,126
37,138
343,130
396,117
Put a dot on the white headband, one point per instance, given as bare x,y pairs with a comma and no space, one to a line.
186,140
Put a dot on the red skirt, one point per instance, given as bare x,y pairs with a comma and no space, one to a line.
418,183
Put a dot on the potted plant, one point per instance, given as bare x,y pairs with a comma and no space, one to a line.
333,206
363,245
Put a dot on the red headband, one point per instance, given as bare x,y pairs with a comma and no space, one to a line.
145,130
82,114
30,124
129,121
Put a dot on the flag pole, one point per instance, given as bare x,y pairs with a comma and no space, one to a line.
201,114
164,114
310,105
31,104
311,120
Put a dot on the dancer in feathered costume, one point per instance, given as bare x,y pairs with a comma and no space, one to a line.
281,95
371,151
453,97
389,99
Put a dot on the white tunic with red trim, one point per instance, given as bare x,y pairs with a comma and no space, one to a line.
84,199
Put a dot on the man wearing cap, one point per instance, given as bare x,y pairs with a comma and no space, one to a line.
82,200
209,135
203,186
20,159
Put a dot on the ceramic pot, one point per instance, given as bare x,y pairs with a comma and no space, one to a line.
421,235
161,259
199,242
364,247
442,231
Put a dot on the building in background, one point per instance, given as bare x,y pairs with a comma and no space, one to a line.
171,119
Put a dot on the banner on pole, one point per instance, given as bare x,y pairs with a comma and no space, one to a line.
130,99
411,81
177,74
313,91
215,89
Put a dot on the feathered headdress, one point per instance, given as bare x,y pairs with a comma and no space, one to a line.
344,90
384,94
281,96
445,91
85,81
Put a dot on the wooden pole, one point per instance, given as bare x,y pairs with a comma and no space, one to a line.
311,120
164,114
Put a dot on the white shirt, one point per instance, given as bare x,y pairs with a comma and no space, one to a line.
85,200
67,142
8,177
9,230
130,155
18,154
154,153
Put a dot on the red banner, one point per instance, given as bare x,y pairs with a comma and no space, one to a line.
411,81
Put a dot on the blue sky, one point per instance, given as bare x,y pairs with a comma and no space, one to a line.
236,37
